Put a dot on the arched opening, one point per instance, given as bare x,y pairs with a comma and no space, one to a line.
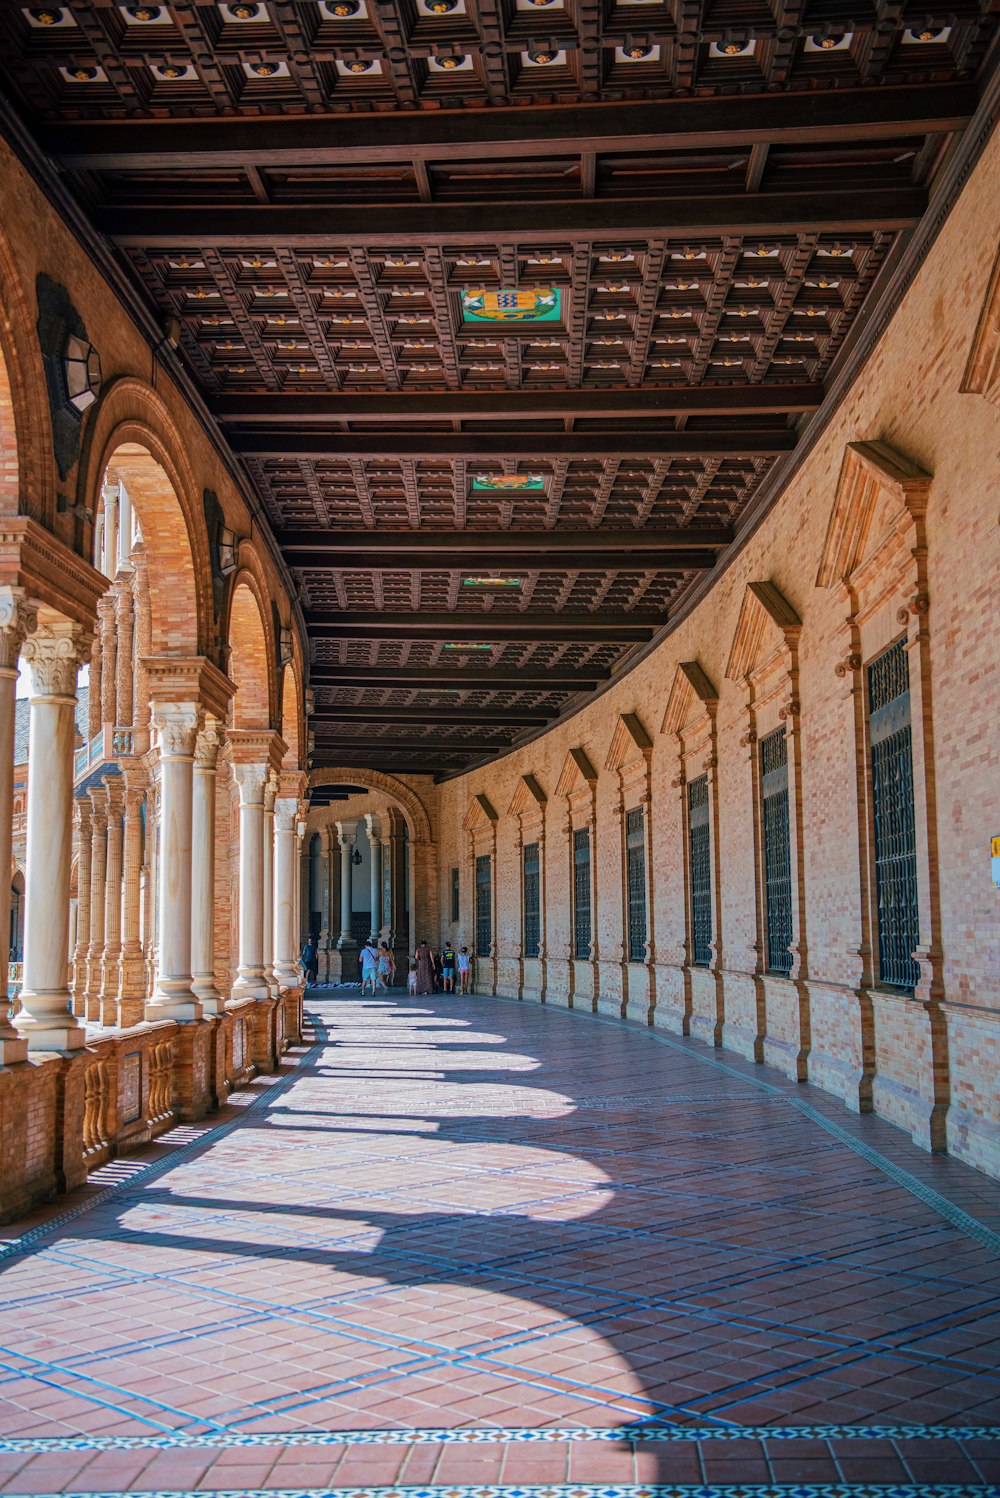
10,480
249,666
16,933
291,699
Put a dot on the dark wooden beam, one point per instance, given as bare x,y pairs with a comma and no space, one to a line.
293,410
530,221
369,747
642,559
858,114
440,679
321,544
292,443
483,627
490,717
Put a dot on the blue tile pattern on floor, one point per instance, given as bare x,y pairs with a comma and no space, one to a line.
473,1239
597,1490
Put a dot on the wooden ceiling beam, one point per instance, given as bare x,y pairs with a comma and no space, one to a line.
344,744
294,410
489,546
799,118
439,678
480,627
325,715
529,221
643,559
723,443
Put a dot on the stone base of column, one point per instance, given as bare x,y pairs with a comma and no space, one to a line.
192,1090
262,1034
203,985
92,992
173,1000
251,985
13,1047
29,1098
109,992
131,1011
59,1030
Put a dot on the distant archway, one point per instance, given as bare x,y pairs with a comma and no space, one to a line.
376,780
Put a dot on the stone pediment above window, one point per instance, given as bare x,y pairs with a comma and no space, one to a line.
768,627
480,816
630,743
880,495
982,373
529,799
577,773
692,702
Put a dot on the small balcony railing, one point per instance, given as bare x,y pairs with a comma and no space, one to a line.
109,744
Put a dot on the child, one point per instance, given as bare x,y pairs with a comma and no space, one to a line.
448,968
411,977
464,966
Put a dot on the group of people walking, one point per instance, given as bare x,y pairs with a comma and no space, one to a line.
430,971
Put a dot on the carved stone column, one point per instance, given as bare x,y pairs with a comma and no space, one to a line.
17,616
206,754
98,879
109,649
250,980
94,690
286,866
132,978
52,653
124,625
267,883
142,647
112,904
84,833
345,834
374,835
173,998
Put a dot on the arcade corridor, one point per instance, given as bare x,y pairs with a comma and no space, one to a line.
611,1254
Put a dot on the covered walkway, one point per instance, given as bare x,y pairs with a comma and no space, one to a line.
607,1255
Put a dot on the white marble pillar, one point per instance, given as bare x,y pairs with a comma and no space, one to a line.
286,881
267,884
374,835
250,979
111,956
124,529
52,654
16,618
345,834
84,845
176,724
109,558
206,754
131,977
98,880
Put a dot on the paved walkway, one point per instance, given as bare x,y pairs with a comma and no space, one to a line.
465,1242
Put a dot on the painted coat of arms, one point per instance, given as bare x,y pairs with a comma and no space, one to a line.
508,481
540,305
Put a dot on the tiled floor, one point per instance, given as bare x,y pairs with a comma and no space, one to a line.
467,1242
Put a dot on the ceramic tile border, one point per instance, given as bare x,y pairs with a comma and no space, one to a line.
582,1490
490,1435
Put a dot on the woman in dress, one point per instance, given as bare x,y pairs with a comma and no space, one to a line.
425,968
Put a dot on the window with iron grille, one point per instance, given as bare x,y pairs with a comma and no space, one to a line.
454,895
777,851
635,863
893,815
532,903
581,892
484,906
700,860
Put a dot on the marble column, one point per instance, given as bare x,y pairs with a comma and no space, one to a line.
142,645
98,877
52,654
132,976
286,869
250,980
84,835
267,883
124,624
124,529
374,836
109,648
17,616
206,755
345,834
110,548
176,724
112,903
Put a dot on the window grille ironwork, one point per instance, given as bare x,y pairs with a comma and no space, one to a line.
484,905
387,884
894,819
532,900
454,895
700,862
581,892
635,862
777,851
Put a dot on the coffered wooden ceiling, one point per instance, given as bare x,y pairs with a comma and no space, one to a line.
701,202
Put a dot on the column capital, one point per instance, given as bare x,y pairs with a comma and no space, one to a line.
270,791
373,829
83,811
286,809
115,788
208,743
99,806
250,779
53,652
176,724
346,833
18,617
189,678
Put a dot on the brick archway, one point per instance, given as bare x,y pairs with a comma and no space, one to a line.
250,657
27,476
375,780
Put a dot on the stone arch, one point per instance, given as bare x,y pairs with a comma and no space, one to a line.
27,476
290,724
250,654
135,436
376,780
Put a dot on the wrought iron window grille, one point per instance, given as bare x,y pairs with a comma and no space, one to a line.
894,819
700,868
